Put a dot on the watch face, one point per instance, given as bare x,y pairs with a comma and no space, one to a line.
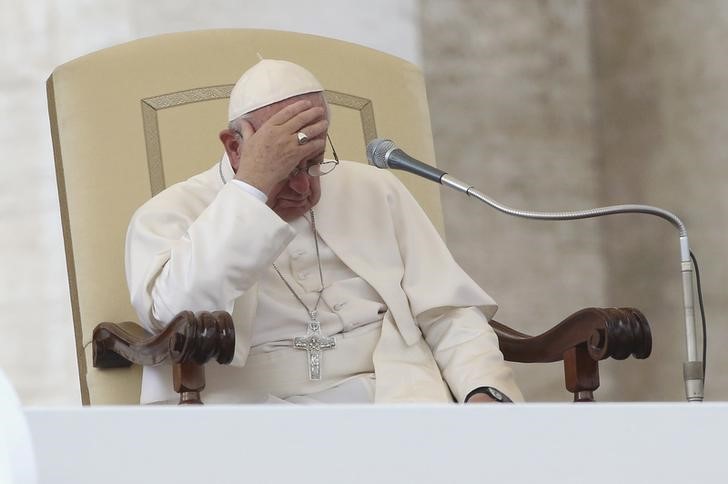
492,393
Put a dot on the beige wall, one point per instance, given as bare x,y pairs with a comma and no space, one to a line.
567,104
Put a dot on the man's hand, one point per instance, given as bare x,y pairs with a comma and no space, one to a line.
481,398
268,155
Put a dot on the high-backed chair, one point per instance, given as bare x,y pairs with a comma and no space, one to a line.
130,120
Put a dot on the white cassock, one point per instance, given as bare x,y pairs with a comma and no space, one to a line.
406,311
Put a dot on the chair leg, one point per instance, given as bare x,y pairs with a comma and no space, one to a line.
189,381
582,373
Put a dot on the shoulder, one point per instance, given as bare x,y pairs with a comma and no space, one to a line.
183,201
371,194
355,176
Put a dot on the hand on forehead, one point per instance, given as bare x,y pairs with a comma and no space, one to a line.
292,133
300,115
280,112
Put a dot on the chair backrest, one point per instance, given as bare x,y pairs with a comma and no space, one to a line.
132,119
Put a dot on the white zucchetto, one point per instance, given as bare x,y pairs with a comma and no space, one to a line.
268,82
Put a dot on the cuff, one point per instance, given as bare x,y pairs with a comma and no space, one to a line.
250,189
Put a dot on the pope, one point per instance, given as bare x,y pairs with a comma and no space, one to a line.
341,290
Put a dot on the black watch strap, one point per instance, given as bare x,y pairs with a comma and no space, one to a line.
493,393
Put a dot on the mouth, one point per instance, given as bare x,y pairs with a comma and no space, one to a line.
292,202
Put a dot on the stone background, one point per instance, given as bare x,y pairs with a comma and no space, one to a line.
567,104
542,104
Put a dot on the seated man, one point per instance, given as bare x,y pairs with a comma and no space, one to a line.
340,288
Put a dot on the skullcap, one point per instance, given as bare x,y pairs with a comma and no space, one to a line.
268,82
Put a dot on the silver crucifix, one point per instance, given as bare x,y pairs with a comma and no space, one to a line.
314,344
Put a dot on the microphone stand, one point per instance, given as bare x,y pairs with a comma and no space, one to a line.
692,368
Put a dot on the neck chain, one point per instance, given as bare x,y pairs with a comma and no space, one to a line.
219,169
312,312
314,342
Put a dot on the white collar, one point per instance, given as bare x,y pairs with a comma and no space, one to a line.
225,169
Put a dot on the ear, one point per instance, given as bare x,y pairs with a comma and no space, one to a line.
231,141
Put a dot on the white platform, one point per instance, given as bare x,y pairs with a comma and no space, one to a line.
597,443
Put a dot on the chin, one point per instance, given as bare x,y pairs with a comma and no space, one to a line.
291,213
290,210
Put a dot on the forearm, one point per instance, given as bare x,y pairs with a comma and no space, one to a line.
206,265
466,350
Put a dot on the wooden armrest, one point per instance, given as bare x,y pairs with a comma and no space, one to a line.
188,342
607,332
581,340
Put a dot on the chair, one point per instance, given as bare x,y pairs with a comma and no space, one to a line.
130,120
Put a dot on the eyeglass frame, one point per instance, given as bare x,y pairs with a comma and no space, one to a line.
335,162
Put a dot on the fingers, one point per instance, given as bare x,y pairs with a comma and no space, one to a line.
312,148
304,119
285,114
246,129
315,130
296,116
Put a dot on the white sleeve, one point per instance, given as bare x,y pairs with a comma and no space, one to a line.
450,308
184,255
466,350
246,187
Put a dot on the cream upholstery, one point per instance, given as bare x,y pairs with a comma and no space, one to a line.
129,120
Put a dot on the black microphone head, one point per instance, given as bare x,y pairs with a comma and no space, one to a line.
377,151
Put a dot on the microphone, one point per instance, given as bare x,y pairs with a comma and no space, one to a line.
383,153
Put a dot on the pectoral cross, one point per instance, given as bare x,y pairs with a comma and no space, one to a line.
314,343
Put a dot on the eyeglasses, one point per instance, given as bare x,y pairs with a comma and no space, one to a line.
321,168
317,169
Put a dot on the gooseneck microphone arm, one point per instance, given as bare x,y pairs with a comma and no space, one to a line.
385,154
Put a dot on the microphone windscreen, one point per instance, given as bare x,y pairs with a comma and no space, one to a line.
377,150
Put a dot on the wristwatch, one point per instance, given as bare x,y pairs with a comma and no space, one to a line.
493,393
